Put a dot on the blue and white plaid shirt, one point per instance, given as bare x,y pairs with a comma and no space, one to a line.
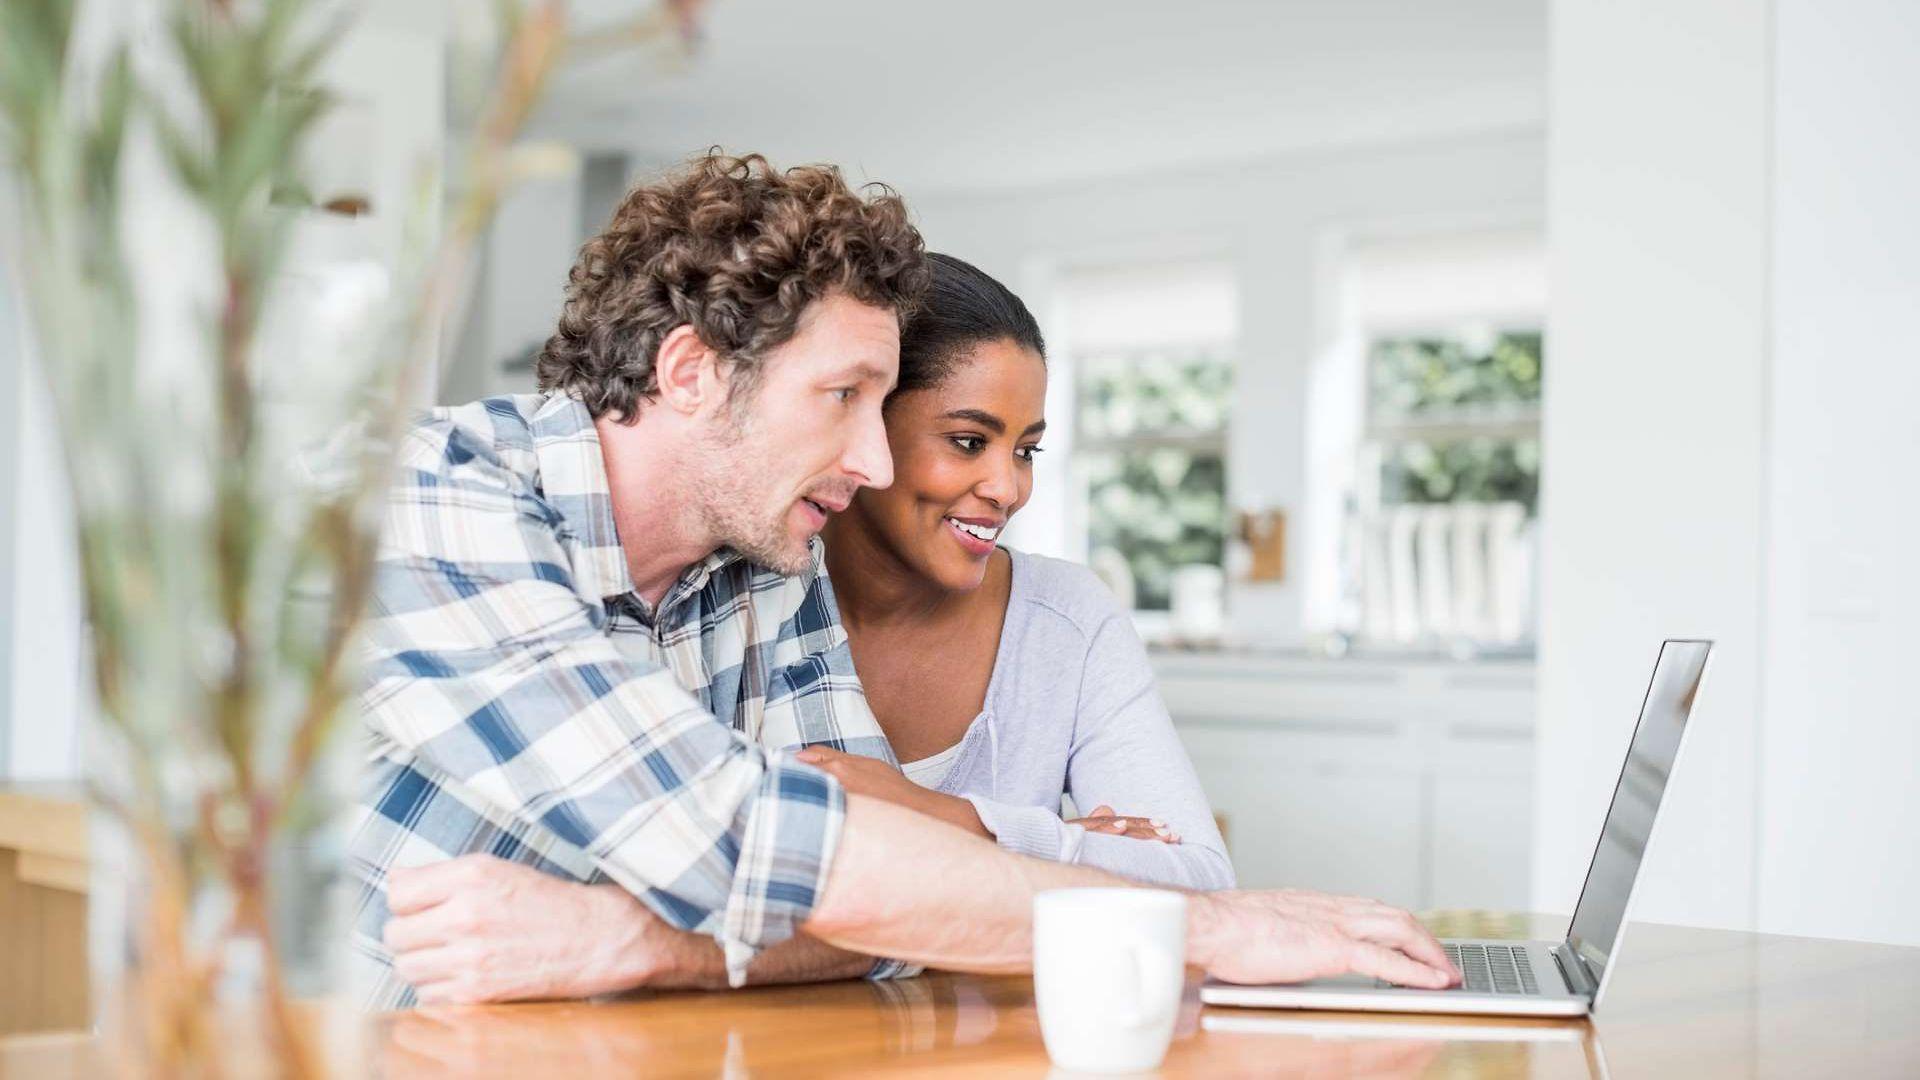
522,701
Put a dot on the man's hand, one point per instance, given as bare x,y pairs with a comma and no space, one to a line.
870,776
1104,820
477,929
1290,935
903,888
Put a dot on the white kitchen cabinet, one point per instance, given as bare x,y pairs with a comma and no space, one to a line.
1480,842
1297,817
1405,780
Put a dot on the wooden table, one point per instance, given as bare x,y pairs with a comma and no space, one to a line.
1686,1002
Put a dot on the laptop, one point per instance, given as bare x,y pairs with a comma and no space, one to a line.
1542,978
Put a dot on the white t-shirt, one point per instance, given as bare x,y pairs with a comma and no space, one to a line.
928,772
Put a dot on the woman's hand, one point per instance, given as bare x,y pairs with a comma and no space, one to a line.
877,779
1103,820
864,775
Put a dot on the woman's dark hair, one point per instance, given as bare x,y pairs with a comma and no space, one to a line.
962,307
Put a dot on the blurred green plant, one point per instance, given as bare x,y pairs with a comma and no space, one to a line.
223,576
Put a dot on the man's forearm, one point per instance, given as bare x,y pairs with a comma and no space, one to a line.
907,886
801,959
702,966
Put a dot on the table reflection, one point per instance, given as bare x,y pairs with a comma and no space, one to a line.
1387,1045
929,1014
718,1033
545,1039
945,1024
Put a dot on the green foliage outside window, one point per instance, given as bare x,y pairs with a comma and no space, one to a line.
1153,426
1419,375
1160,509
1153,393
1420,381
1462,470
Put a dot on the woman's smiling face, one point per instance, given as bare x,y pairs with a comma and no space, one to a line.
962,463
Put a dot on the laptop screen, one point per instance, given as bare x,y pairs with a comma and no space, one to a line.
1636,799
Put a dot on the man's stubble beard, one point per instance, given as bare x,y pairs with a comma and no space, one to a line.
734,506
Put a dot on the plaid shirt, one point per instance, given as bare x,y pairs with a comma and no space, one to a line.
522,701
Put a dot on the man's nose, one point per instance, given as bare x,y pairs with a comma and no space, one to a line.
869,459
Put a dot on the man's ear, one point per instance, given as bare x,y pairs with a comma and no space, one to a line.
686,371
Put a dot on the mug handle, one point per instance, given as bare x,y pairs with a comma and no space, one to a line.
1145,962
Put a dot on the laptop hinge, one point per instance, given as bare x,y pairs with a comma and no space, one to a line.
1574,971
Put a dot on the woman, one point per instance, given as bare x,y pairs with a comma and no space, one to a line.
1002,680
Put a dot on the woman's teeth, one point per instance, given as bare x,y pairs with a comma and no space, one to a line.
983,532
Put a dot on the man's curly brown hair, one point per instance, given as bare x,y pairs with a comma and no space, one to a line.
735,249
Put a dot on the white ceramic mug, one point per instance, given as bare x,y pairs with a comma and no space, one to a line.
1108,969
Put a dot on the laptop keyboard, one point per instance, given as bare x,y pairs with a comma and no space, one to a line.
1490,969
1493,969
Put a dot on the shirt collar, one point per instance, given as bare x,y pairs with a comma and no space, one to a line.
573,479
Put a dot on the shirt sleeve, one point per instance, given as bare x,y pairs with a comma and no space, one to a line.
817,700
491,676
1125,754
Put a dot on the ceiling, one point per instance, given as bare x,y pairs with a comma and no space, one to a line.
994,94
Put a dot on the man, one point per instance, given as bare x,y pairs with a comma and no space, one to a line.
573,676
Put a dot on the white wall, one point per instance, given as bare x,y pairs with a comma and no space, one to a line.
529,250
1839,821
12,380
527,254
46,693
40,650
1653,429
10,349
1730,450
1274,222
12,346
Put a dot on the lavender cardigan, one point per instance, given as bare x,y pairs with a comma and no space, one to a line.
1072,708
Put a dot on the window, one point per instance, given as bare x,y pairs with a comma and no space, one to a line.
1442,337
1153,452
1152,352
